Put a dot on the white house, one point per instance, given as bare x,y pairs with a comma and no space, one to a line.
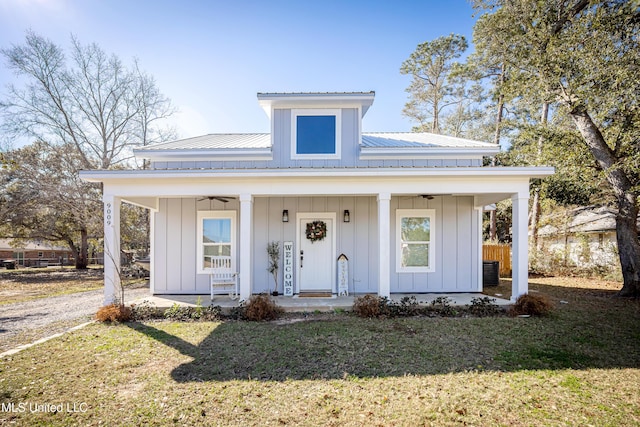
404,208
584,237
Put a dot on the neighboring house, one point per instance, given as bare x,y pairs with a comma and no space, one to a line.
34,254
584,237
404,208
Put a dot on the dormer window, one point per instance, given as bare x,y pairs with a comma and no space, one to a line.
315,133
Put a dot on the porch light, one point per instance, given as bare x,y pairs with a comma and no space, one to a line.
347,216
285,216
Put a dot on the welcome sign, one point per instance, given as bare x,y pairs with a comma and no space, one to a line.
288,269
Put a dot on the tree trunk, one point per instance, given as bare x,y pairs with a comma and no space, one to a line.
535,206
628,244
493,217
82,260
74,249
626,226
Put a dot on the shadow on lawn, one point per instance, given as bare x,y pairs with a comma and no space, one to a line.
605,333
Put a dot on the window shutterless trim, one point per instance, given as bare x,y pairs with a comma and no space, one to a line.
202,215
335,112
416,213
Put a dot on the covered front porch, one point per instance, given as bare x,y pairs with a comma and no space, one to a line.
383,193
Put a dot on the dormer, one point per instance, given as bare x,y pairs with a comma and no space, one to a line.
314,131
316,126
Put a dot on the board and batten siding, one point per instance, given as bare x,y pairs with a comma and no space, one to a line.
457,243
356,239
174,234
457,240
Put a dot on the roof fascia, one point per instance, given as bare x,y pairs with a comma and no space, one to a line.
499,171
378,153
361,100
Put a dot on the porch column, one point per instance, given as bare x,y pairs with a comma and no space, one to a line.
111,255
246,241
384,244
520,247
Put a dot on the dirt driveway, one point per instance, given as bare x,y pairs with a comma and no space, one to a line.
25,322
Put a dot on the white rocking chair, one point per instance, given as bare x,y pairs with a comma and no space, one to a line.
222,278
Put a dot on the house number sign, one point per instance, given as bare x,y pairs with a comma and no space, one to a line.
288,269
108,213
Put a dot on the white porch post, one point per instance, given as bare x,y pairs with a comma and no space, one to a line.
384,244
111,248
520,246
246,242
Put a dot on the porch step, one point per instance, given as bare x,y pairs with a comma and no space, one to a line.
315,295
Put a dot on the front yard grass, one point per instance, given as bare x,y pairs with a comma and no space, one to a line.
29,284
580,366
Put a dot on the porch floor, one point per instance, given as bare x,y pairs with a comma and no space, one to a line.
307,304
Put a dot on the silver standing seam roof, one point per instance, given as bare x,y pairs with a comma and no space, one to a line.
383,140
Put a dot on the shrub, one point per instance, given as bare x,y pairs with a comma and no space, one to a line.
484,306
178,312
213,312
408,306
534,305
144,311
261,307
114,313
370,306
442,306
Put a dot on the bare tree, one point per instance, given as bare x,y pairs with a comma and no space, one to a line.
90,105
89,100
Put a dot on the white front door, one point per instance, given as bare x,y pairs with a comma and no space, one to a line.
316,263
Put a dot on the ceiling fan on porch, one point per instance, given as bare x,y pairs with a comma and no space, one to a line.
219,198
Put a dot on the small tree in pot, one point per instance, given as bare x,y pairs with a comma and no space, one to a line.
273,250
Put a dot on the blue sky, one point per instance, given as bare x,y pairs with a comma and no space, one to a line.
212,57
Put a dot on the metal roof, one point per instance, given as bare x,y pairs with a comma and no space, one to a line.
382,140
268,101
287,94
220,141
418,140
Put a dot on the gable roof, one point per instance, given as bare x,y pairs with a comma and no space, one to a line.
586,219
226,143
418,140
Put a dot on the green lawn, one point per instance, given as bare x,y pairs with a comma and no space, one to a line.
29,284
581,366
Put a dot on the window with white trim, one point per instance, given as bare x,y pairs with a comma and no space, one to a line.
216,237
315,133
415,242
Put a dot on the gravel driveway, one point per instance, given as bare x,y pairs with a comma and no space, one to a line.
24,322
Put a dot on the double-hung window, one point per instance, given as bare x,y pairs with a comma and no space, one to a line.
216,237
415,242
315,133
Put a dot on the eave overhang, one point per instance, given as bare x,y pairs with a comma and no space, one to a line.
117,175
361,100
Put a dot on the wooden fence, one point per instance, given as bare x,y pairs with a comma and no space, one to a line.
500,253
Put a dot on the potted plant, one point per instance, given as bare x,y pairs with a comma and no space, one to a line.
273,250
